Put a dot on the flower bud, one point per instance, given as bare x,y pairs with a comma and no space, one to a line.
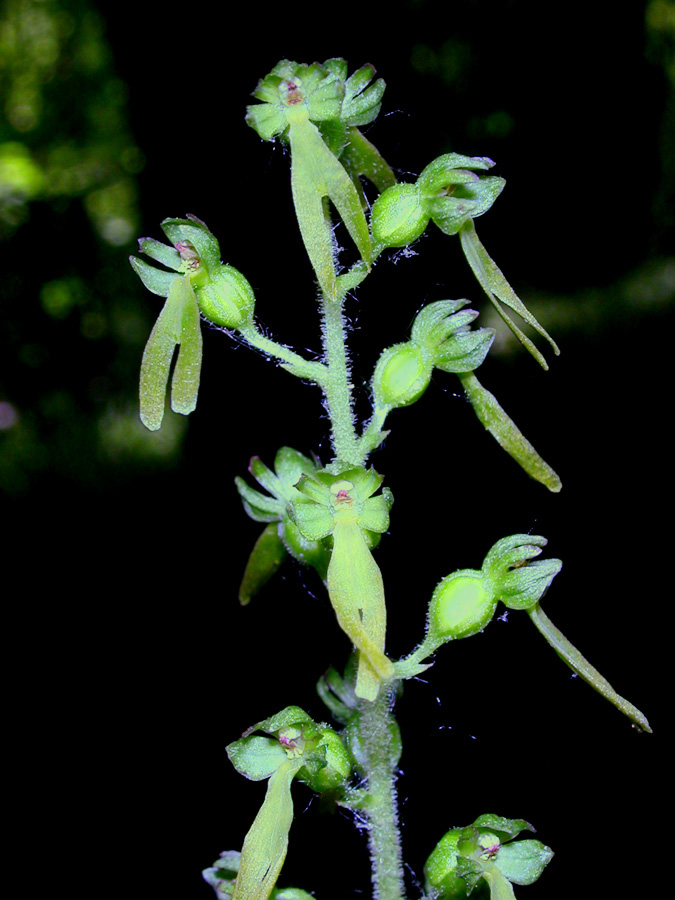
397,217
226,298
461,605
401,376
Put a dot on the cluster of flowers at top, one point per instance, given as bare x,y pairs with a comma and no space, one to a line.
330,97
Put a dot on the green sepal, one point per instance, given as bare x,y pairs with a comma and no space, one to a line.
505,829
290,465
192,230
314,521
442,332
465,351
177,324
361,104
451,193
291,716
258,506
256,757
499,291
506,433
155,280
581,666
438,321
517,581
167,256
522,862
450,168
470,198
267,555
266,119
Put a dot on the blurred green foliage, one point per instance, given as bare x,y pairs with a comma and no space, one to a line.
69,212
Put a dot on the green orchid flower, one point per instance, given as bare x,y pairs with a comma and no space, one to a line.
292,746
196,282
486,850
343,507
295,99
281,535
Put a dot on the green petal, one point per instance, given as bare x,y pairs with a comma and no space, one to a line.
162,253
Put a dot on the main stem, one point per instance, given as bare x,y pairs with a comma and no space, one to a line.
337,387
377,729
377,726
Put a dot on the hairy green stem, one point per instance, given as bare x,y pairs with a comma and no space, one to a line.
338,388
292,361
379,738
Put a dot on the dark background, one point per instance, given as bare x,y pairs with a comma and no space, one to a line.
131,663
